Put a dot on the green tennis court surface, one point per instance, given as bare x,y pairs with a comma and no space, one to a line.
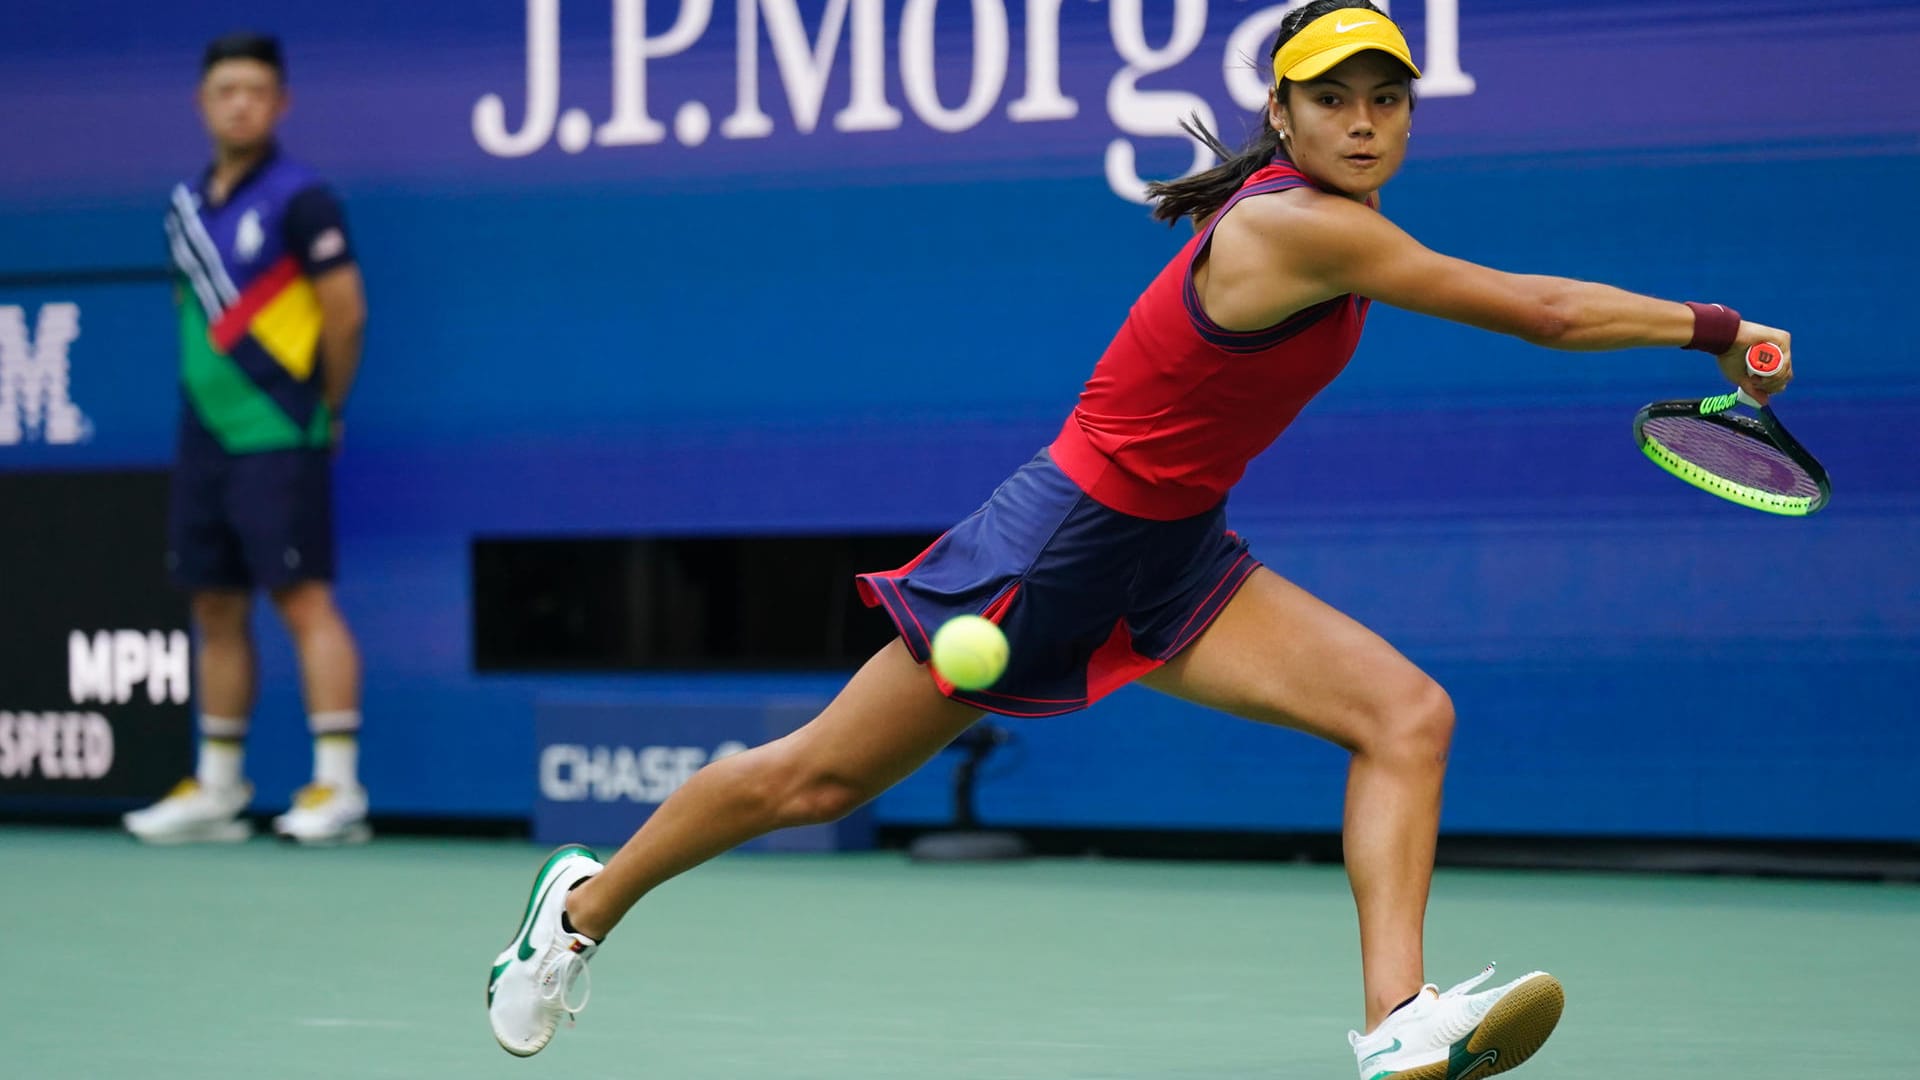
262,962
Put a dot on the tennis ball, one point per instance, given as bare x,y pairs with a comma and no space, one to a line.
969,652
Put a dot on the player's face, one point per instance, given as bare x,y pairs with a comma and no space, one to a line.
241,102
1347,129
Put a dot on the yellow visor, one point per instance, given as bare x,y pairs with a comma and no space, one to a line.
1333,37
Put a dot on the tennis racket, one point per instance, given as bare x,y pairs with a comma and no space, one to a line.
1750,460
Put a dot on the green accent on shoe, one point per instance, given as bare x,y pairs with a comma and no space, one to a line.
543,884
525,930
493,980
1378,1053
1460,1065
1379,1075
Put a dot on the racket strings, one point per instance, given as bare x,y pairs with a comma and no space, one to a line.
1732,455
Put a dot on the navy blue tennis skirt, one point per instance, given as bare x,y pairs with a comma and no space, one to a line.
1090,598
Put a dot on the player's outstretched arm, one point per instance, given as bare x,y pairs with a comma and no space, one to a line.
1355,250
1344,247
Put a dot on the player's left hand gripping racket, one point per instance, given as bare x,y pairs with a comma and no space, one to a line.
1750,460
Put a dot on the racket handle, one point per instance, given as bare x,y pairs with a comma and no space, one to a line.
1764,358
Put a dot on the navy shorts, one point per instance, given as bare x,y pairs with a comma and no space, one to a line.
246,521
1090,598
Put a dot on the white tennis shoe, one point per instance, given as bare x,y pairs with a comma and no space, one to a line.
325,814
1460,1035
533,983
194,813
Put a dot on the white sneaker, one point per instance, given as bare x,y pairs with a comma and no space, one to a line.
194,814
532,982
1462,1036
326,815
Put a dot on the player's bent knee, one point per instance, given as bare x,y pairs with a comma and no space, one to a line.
1428,721
1415,725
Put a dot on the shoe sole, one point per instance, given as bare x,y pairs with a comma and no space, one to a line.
1512,1031
220,832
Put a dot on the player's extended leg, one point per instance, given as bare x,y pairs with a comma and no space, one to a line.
886,722
883,725
333,808
1278,655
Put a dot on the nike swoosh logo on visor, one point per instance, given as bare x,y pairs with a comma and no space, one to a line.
1341,28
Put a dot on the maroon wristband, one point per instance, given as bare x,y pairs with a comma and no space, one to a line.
1715,328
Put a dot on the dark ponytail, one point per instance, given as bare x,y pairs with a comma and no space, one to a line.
1200,195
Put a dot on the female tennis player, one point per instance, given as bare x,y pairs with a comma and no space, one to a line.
1107,558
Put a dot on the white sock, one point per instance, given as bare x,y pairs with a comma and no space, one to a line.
336,747
336,722
221,762
336,761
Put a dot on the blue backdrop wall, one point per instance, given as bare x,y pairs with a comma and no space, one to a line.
679,267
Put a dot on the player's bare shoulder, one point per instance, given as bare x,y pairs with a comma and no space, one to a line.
1260,214
1300,229
1261,266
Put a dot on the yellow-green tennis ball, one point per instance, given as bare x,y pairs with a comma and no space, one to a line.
969,652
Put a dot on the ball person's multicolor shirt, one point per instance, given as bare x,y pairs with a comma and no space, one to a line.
249,319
